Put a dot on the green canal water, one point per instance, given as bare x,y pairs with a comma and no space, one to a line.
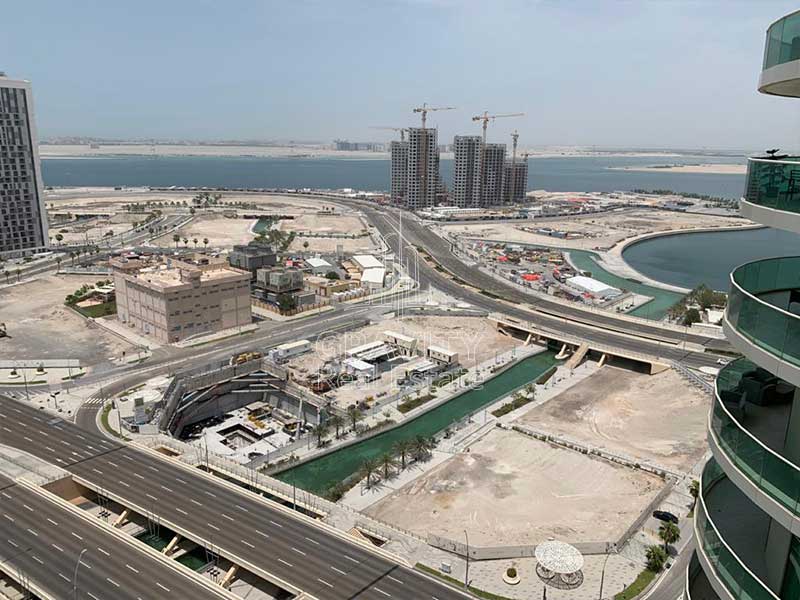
655,309
321,474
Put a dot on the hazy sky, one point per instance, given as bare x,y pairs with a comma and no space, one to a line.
614,73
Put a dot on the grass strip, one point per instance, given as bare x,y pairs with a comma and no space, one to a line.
473,590
638,586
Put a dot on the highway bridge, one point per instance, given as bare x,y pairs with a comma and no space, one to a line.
288,549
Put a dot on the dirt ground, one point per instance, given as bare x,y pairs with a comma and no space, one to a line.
221,232
658,418
40,326
512,489
324,224
474,338
600,231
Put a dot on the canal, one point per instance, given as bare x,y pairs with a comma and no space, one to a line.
320,474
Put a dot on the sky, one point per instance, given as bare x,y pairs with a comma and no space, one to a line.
660,74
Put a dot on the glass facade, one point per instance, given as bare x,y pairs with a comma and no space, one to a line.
774,183
791,580
783,41
728,568
761,298
776,476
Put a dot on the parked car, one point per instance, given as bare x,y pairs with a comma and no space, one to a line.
663,515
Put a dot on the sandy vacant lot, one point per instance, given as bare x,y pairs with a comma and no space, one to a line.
40,326
512,489
221,232
474,338
658,418
600,231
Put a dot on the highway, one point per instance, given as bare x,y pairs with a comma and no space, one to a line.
42,541
608,331
231,521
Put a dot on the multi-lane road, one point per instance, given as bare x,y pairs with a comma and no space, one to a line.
232,522
42,542
608,330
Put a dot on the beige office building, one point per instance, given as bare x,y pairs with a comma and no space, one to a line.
177,299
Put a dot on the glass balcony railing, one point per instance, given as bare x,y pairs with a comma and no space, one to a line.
742,388
783,41
774,183
728,568
761,302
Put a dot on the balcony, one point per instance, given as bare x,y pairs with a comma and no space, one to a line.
763,316
772,192
780,73
731,536
697,585
748,426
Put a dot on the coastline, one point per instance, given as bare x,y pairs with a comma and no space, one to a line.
700,169
614,261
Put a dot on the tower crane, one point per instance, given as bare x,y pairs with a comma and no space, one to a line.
486,117
402,131
425,109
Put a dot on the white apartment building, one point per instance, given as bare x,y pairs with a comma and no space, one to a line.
23,219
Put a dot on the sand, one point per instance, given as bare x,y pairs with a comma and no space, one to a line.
657,418
512,489
708,169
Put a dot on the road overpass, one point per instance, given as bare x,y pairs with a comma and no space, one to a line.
290,550
41,543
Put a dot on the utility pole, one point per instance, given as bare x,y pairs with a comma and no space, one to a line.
75,574
466,573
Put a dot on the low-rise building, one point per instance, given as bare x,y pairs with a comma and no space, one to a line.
360,369
366,261
326,288
289,350
252,257
173,300
319,266
588,285
405,344
442,355
280,280
373,278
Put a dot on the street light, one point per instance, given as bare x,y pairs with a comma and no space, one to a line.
466,573
75,574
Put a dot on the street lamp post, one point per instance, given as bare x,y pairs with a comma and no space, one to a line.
466,573
75,574
603,573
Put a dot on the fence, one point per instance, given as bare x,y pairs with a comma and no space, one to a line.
499,552
290,313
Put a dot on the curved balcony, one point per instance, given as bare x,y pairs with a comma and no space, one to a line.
772,192
763,316
780,73
731,534
748,425
697,586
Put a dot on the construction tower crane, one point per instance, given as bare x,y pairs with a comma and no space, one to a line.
402,131
486,117
425,109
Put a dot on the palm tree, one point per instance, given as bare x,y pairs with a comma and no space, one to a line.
18,272
355,415
694,490
656,557
421,447
321,431
368,467
186,242
176,238
72,257
305,245
205,242
336,421
59,237
669,534
403,448
58,263
387,464
194,241
7,274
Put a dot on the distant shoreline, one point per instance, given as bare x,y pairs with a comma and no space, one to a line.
706,169
311,152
